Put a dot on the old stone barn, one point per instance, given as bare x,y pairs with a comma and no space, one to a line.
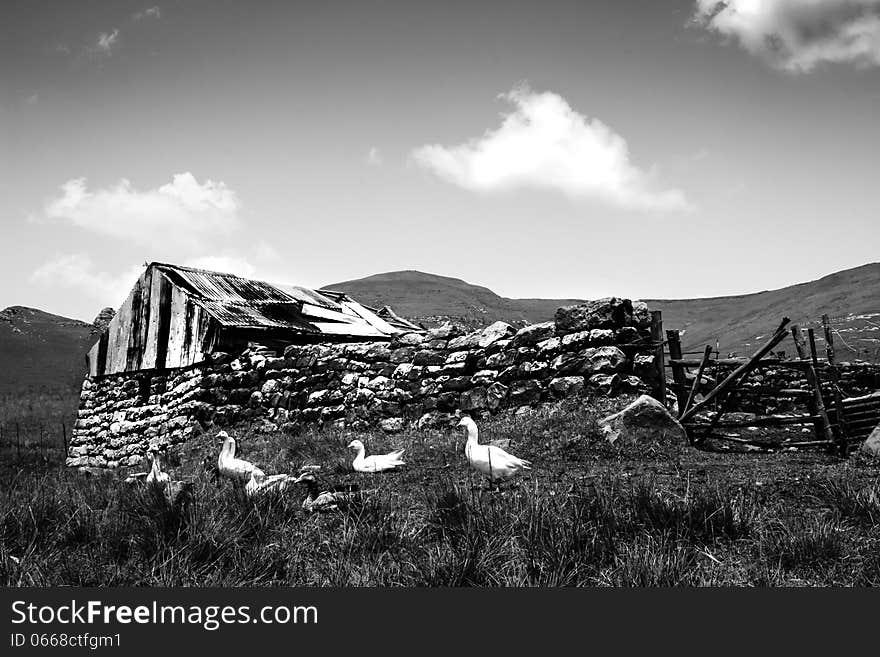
190,349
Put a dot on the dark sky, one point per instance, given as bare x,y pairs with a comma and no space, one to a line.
564,149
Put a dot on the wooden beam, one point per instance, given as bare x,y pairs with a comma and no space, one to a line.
740,372
765,362
816,405
837,395
673,339
706,355
659,355
762,421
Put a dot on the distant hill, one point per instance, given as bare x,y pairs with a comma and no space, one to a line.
41,351
738,323
741,323
430,298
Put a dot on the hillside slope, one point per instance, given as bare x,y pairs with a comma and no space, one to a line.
41,351
430,298
738,323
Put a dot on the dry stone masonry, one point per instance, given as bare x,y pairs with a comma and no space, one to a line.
776,389
420,378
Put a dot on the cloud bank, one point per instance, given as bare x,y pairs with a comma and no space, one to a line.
183,210
78,271
798,35
543,143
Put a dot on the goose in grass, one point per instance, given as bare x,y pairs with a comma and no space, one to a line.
261,483
230,467
375,462
490,460
175,492
323,498
156,476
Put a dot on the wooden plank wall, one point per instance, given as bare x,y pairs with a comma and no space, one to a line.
158,326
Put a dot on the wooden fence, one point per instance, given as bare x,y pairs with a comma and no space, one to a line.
837,421
23,440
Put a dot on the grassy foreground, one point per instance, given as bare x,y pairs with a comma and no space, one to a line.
588,514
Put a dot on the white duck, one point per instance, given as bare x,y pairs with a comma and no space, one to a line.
375,462
238,470
490,460
156,477
325,500
261,483
175,492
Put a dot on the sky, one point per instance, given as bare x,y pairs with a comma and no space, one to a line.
665,149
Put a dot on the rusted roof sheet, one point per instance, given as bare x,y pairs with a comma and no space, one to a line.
240,302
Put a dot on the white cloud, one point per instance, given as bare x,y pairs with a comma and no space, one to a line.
374,157
544,143
106,41
150,12
78,271
798,35
183,210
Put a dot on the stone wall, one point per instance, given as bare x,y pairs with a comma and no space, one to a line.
418,378
771,390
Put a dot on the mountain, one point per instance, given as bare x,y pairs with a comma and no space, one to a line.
430,298
738,323
41,351
742,323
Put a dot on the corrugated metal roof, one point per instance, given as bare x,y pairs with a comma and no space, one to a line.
240,302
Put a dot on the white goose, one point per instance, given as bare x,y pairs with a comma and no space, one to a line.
156,477
238,470
176,492
375,462
490,460
261,483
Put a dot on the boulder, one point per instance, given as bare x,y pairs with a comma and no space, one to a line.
408,339
872,443
531,335
644,420
606,384
493,333
604,360
641,315
594,360
608,313
563,386
391,424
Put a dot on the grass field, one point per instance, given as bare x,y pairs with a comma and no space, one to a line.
589,514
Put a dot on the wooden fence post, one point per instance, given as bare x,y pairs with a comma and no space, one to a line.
706,355
837,397
673,338
815,405
659,360
64,438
